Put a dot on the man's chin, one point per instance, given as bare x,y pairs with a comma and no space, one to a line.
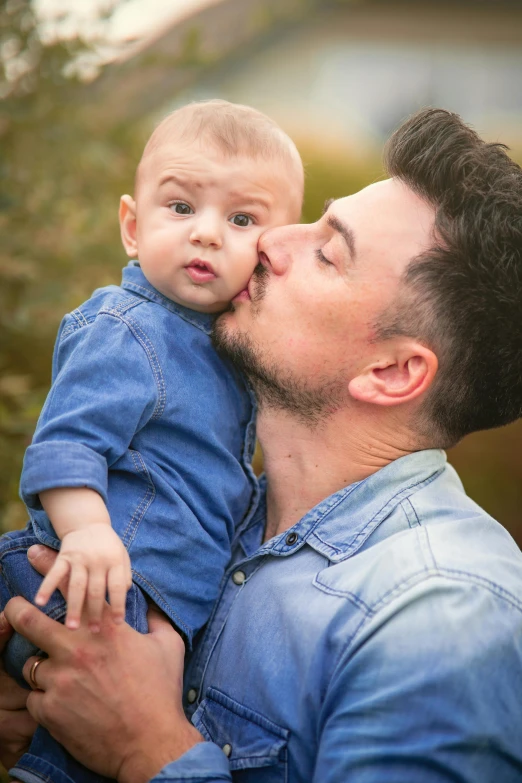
228,316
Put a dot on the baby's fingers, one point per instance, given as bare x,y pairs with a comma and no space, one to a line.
58,572
118,583
76,596
96,590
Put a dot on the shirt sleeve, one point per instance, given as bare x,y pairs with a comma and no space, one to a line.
203,763
104,391
428,692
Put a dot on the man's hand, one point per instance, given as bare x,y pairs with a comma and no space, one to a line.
112,699
16,724
96,562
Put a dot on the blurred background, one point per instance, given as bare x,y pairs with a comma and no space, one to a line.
83,82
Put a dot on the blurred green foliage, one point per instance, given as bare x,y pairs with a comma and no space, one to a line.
61,175
62,170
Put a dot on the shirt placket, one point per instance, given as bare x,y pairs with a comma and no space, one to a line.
235,577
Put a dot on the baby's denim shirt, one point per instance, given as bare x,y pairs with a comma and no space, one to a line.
144,411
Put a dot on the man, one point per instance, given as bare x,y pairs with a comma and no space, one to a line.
370,625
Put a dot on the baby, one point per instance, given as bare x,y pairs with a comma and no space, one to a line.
139,471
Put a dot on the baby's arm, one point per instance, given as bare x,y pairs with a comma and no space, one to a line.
92,556
104,392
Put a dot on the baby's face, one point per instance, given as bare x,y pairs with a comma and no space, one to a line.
197,218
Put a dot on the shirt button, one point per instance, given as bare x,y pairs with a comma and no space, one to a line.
238,577
291,538
227,750
192,695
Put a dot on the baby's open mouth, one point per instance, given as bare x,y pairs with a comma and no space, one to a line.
200,271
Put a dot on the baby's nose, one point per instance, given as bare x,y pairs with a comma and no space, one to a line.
206,232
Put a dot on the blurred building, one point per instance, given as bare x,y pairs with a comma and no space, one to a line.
336,72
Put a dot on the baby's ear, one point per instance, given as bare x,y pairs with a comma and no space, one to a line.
127,215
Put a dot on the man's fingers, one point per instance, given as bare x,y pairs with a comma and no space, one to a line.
117,585
159,624
5,631
58,572
76,596
16,730
39,678
29,621
41,558
19,722
96,589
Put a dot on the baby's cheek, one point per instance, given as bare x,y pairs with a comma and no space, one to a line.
248,258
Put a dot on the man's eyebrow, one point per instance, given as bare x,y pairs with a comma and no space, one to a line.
346,233
327,204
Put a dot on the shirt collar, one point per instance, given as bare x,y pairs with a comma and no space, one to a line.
339,525
134,280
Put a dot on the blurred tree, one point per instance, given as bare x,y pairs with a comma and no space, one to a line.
59,185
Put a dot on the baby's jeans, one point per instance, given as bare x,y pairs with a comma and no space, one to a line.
45,760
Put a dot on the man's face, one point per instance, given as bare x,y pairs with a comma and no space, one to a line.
305,326
199,216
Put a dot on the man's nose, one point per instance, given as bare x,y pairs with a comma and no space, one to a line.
206,231
277,246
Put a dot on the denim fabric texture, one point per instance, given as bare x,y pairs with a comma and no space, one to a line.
143,411
380,644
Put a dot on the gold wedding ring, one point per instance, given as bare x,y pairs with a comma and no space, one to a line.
32,672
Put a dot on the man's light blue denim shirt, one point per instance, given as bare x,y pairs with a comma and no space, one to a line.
144,411
379,640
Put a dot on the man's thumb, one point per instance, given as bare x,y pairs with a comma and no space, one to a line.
5,630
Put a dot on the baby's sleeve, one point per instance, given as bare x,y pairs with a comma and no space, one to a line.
105,390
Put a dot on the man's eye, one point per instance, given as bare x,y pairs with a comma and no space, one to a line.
241,220
181,208
322,258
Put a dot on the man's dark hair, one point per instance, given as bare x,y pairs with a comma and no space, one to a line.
463,297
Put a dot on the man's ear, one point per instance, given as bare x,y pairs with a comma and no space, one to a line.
404,372
127,215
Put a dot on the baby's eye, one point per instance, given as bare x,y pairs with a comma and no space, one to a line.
241,220
181,208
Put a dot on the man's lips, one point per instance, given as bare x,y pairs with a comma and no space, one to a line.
249,293
200,271
246,294
242,296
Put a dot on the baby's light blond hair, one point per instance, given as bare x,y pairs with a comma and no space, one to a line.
232,128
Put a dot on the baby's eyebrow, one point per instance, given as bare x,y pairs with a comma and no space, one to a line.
172,178
250,199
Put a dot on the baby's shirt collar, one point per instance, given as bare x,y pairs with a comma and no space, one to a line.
134,280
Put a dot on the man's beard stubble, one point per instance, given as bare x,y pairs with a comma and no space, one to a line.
276,387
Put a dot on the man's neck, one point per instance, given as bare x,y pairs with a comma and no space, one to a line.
304,466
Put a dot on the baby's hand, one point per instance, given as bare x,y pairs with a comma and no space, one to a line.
96,563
